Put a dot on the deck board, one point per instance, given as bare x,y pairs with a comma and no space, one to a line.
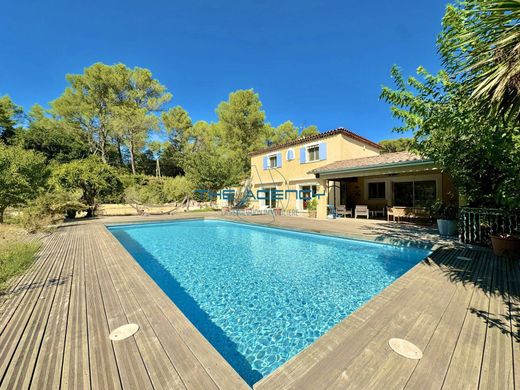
55,322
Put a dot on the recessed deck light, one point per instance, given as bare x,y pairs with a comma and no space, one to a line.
405,348
123,332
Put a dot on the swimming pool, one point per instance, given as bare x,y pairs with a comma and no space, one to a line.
260,295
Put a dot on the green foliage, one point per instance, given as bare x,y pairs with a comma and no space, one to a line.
242,125
396,145
309,131
481,154
96,180
15,258
150,190
104,93
10,115
287,131
23,174
312,204
480,44
213,168
177,123
49,208
57,141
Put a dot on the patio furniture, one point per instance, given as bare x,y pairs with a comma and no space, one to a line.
361,211
399,212
342,211
377,212
331,211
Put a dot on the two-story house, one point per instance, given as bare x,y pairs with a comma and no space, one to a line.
288,166
348,170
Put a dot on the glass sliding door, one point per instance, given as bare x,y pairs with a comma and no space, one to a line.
415,193
403,193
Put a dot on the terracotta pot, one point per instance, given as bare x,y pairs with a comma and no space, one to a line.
313,214
447,227
506,246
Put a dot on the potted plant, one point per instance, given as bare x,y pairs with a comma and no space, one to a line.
506,244
446,218
312,206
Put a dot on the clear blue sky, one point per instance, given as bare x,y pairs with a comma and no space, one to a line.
313,62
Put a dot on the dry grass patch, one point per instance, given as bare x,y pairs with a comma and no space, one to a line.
17,251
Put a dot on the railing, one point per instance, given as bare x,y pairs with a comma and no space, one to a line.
476,224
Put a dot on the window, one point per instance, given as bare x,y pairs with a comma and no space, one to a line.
270,201
308,192
425,193
376,190
313,153
415,193
290,155
272,161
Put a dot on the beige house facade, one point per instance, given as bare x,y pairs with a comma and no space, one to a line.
341,168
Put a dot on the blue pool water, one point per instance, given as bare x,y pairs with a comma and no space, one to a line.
260,295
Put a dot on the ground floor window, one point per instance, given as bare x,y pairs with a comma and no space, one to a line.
376,190
270,201
415,193
308,192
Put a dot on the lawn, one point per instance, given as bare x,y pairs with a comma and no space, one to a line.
16,253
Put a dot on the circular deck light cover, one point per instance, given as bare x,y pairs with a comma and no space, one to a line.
405,348
123,332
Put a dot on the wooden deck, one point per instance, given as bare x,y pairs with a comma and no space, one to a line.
54,327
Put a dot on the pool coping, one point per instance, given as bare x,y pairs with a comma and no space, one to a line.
360,314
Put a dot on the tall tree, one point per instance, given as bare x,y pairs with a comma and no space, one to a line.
242,122
287,131
309,131
158,148
480,43
396,145
23,174
57,140
92,177
177,123
93,97
132,125
10,115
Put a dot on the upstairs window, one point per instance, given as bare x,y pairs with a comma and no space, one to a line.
313,153
290,155
272,161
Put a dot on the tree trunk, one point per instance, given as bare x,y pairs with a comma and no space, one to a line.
157,168
120,152
102,149
2,209
132,161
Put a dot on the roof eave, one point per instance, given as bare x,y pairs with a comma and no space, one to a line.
371,167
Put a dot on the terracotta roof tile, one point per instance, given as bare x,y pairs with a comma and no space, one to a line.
301,140
382,159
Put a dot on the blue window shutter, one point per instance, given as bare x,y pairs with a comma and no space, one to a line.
279,160
302,155
323,151
290,154
265,163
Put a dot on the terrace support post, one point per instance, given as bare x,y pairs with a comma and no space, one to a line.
322,200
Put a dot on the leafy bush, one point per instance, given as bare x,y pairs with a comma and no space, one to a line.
96,180
158,190
23,174
49,208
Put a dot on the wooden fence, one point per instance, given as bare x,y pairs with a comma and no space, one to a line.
476,224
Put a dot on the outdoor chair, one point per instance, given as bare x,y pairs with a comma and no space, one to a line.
332,211
342,211
362,211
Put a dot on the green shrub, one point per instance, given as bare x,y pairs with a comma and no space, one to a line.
158,190
50,208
